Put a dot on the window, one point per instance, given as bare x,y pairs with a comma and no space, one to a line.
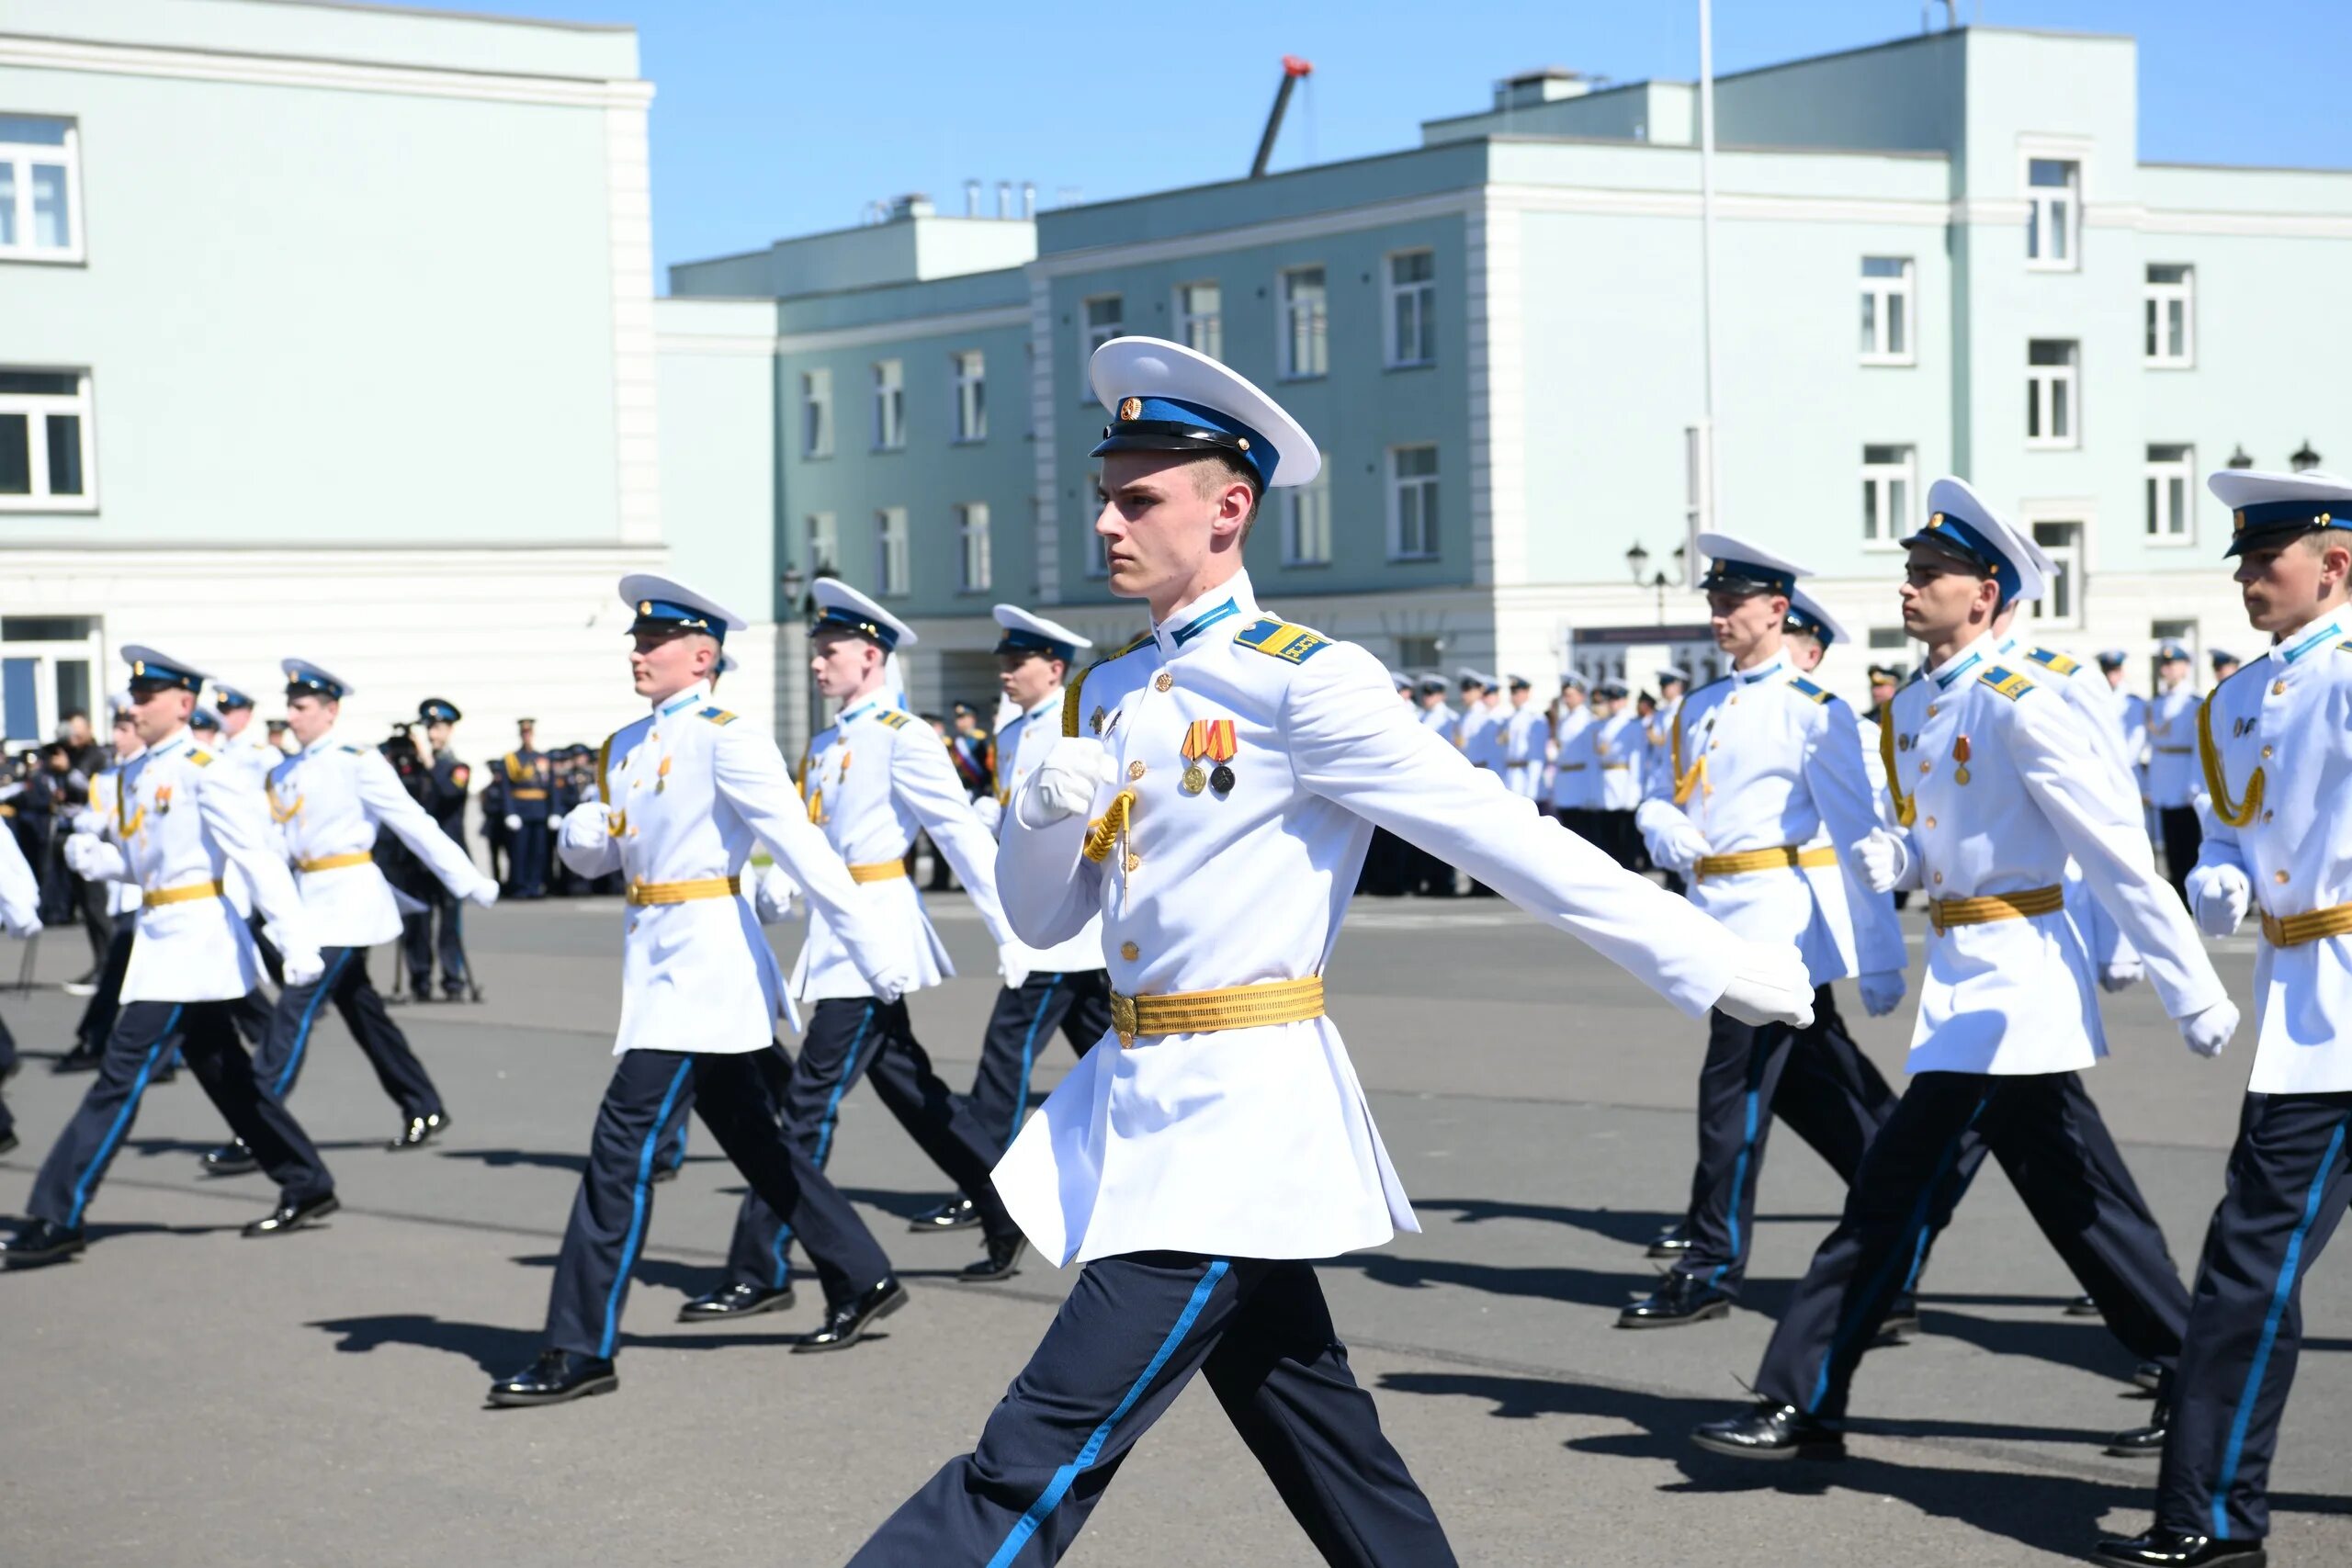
2052,418
2060,603
1412,308
1306,522
1412,503
816,413
1305,328
41,197
2053,213
890,550
1419,652
889,406
972,533
1098,555
1106,319
971,396
2172,475
1886,310
824,542
1200,318
45,442
2171,314
1889,475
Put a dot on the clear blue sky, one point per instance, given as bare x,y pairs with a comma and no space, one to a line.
775,120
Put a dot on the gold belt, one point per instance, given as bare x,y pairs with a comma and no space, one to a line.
1201,1012
186,893
1741,860
1571,767
2297,931
643,893
527,795
1615,767
880,871
1946,913
334,862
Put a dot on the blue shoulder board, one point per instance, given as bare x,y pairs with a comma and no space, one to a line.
2058,662
1280,639
718,716
201,758
2009,684
1817,693
355,750
895,717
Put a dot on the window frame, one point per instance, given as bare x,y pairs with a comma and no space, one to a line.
2159,474
22,155
2038,205
1319,328
817,408
1422,291
825,526
1879,478
2046,409
968,513
2072,560
1092,336
38,408
1207,323
890,390
893,578
1295,502
1430,514
2154,297
1877,291
968,371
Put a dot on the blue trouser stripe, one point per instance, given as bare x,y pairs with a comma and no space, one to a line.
303,1030
2288,1267
1051,1497
1916,1230
1739,1167
833,1100
122,1121
635,1237
1028,1056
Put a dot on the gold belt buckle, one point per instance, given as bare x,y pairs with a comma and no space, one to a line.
1123,1019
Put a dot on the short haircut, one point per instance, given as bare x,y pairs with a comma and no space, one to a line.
1218,470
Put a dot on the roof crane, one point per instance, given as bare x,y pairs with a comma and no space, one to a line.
1292,69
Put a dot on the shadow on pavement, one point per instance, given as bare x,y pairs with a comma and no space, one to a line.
1558,1282
503,1159
497,1349
903,1205
1635,1227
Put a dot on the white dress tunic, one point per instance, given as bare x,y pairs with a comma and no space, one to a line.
328,801
1257,1142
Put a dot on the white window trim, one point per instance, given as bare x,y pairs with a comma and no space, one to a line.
878,390
811,401
883,588
1293,498
1391,292
2186,469
2064,150
1396,485
2155,293
1087,342
1907,286
38,405
831,535
1876,473
1290,371
2083,510
2073,375
24,154
1186,319
964,510
971,433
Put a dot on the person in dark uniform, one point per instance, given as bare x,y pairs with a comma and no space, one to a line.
438,930
528,796
496,839
20,918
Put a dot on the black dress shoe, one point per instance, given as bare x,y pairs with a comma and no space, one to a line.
419,1131
846,1321
231,1158
1001,1262
735,1301
2081,1306
1671,1244
81,1059
958,1213
2143,1443
555,1376
35,1242
2161,1548
7,1143
1902,1319
1772,1430
1679,1299
663,1173
288,1216
2148,1375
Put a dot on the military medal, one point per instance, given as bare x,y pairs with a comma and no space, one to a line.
1210,738
661,776
1098,720
1960,755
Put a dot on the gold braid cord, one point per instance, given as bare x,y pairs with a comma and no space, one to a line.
2217,783
1905,811
1696,779
1104,830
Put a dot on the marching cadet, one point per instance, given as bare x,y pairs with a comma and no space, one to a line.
20,918
1884,679
184,823
2275,749
242,740
873,779
1060,987
444,802
122,902
2172,763
1611,749
1434,713
682,797
529,779
1996,786
2225,665
1477,695
1658,730
1524,734
1195,1162
1569,795
1759,765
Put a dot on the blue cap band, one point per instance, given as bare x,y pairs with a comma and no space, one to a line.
148,673
1811,625
1954,534
1017,641
1726,571
2267,522
303,680
662,613
833,617
1142,419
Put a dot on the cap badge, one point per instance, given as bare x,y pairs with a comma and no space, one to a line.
1130,407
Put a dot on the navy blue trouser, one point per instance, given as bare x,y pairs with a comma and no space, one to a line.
2056,1151
527,858
97,1014
444,912
1129,1336
295,1019
145,1035
1814,1080
850,1038
650,1095
2291,1176
1077,1002
7,1065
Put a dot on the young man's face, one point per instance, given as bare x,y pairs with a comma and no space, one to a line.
2285,586
1940,592
662,663
310,716
1571,699
436,734
157,711
1027,677
844,663
126,737
2173,672
1741,620
1163,514
1881,690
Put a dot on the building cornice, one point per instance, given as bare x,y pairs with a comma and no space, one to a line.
906,329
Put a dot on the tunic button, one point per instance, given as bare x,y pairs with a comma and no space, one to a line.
2278,876
1134,861
2278,688
1939,879
2266,815
2265,753
1924,764
1931,710
1130,951
1135,771
1932,821
1166,680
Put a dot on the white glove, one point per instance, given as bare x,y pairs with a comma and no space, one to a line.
483,893
2208,1031
989,810
1769,984
302,966
2219,895
772,894
1064,784
80,854
23,928
1011,966
1882,859
513,823
1675,846
2121,974
1882,991
891,982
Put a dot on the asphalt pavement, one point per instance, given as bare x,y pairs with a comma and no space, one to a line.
183,1395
